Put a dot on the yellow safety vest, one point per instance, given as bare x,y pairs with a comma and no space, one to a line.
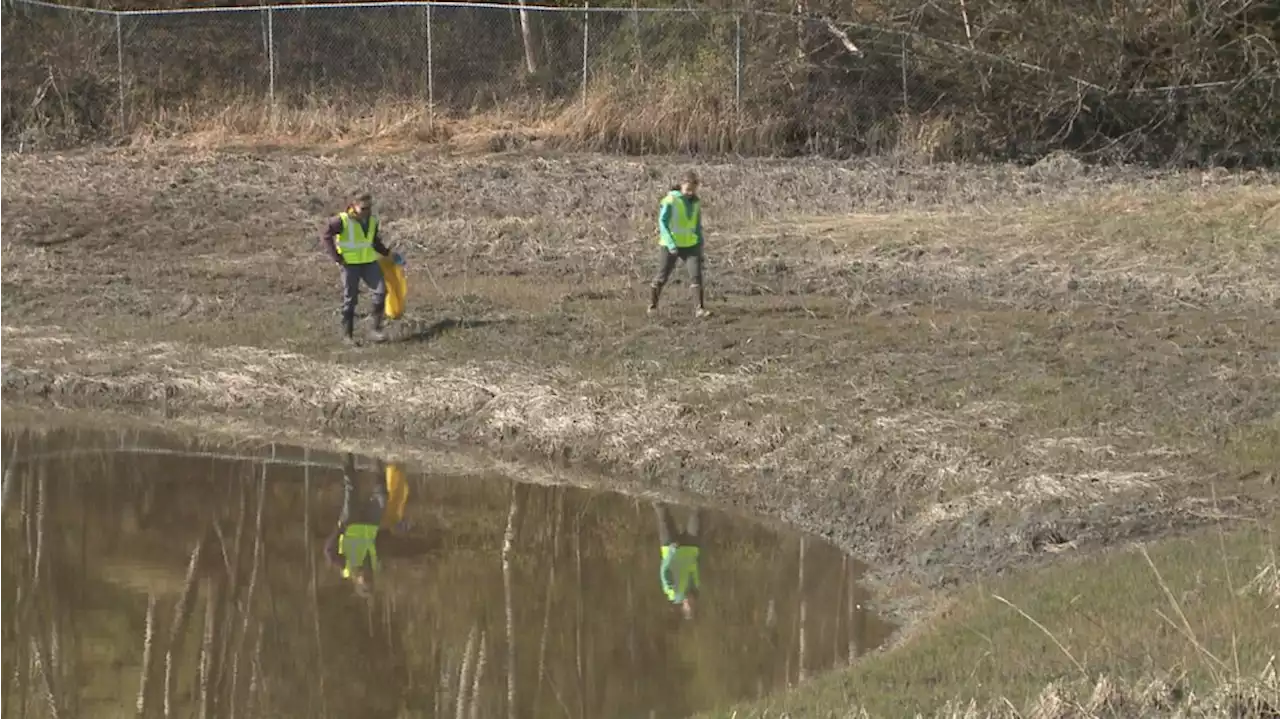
684,224
354,245
683,569
356,544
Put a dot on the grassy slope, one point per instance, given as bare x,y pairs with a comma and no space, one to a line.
950,371
1192,616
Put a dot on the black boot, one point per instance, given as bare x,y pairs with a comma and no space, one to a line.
348,330
655,291
377,335
701,310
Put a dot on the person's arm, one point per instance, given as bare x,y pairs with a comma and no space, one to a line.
698,229
664,570
331,547
664,225
329,238
378,245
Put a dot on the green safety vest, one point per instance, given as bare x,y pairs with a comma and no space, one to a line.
684,224
356,544
683,569
354,245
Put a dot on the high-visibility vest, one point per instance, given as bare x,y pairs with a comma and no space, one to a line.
354,244
684,223
683,569
356,544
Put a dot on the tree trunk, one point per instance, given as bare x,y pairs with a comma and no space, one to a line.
528,34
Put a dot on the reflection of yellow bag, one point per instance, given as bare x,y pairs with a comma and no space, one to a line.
397,496
397,288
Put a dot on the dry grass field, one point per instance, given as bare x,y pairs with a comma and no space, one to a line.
952,372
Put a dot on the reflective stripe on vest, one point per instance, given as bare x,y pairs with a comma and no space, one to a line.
683,568
684,224
357,543
354,245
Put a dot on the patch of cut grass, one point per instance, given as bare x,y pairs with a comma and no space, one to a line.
1190,610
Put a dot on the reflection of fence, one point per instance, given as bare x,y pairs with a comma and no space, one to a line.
269,459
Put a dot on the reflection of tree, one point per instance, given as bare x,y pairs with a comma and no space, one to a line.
508,542
216,600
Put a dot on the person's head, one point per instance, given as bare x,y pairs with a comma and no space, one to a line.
688,185
361,205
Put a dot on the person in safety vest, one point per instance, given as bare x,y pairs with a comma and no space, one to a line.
680,235
352,547
680,552
353,239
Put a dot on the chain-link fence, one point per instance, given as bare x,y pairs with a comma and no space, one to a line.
109,73
635,79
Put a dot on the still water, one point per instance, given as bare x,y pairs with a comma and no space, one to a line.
151,575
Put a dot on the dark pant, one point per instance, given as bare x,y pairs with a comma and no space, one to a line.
692,257
362,510
665,535
369,273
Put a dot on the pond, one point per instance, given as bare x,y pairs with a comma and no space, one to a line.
151,574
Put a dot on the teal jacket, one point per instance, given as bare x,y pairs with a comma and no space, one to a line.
664,218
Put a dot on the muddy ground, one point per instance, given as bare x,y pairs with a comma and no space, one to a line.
951,372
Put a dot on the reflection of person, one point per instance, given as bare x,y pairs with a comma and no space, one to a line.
353,544
680,552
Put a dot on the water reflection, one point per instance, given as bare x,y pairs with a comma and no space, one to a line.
151,576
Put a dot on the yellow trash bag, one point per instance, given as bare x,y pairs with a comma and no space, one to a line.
393,275
397,497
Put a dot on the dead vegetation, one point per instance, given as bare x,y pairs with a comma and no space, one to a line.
1177,86
944,369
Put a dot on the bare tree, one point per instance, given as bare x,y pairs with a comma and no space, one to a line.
527,34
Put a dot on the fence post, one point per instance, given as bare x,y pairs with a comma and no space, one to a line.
586,27
120,71
271,60
737,66
431,83
906,102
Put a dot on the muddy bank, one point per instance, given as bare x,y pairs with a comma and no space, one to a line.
552,428
949,372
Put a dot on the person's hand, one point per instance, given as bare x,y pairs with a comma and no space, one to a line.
397,258
686,608
672,250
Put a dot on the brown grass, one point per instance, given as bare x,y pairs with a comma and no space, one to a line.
948,370
1162,630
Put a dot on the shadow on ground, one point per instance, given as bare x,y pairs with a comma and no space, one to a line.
425,332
